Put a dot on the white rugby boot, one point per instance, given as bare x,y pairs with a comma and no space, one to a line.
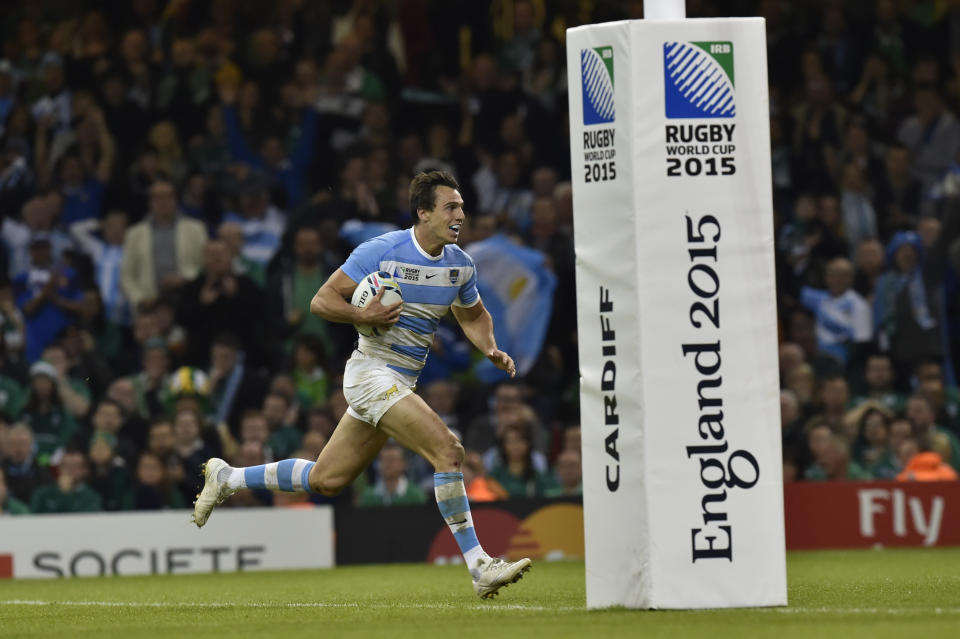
214,491
496,573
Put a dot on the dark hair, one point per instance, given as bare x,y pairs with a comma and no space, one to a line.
228,340
313,344
523,430
106,401
423,190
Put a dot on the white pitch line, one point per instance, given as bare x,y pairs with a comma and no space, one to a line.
253,604
490,607
868,611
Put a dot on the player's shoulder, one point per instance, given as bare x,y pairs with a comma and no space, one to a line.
453,255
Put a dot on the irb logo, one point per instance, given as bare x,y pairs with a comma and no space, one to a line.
698,79
596,81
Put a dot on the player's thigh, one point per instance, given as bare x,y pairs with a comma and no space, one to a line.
352,446
418,427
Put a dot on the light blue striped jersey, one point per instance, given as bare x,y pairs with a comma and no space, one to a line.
429,285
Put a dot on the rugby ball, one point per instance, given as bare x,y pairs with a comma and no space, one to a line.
367,289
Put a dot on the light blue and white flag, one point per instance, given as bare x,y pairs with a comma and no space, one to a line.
517,288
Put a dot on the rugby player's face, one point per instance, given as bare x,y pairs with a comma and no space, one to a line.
446,218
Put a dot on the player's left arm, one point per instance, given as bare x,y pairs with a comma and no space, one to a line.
477,325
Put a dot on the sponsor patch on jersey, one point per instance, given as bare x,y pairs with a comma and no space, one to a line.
406,273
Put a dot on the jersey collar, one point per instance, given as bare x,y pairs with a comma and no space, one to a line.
413,236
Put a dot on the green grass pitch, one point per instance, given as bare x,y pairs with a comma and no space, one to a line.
870,594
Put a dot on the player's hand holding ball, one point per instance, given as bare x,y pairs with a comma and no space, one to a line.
379,299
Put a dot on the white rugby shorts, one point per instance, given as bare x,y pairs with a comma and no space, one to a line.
371,387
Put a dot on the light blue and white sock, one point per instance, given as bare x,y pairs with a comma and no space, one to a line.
289,475
455,509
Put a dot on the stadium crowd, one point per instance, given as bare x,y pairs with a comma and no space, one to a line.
178,178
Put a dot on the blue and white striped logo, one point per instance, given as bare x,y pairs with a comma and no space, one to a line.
698,80
596,79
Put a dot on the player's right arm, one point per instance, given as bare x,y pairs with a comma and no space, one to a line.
331,303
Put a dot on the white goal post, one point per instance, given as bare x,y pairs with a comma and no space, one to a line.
670,152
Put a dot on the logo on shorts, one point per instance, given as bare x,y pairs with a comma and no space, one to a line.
596,82
393,390
454,275
698,79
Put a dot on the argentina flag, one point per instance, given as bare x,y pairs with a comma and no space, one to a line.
517,288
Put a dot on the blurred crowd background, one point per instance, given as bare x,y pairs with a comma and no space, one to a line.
178,178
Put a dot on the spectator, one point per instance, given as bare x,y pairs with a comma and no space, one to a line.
82,188
70,493
480,487
931,134
907,304
55,103
309,373
123,392
150,384
869,262
516,472
232,234
793,438
872,444
192,451
251,453
109,476
567,474
262,223
921,415
254,428
287,170
10,505
12,393
47,295
929,375
392,486
843,317
922,464
898,193
108,421
859,217
106,252
879,376
834,396
218,301
234,386
153,489
163,252
833,463
295,285
284,437
44,412
20,465
73,392
485,432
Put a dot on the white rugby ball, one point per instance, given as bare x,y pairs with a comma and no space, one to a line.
367,289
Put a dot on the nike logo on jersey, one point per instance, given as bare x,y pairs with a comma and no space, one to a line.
431,275
457,523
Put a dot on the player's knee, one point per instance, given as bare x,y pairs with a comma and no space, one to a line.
326,485
450,456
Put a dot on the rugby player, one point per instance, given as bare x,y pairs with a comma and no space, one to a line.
435,275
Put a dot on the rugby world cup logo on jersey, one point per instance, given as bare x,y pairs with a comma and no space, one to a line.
698,80
596,82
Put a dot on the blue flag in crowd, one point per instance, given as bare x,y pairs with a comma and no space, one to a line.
517,288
